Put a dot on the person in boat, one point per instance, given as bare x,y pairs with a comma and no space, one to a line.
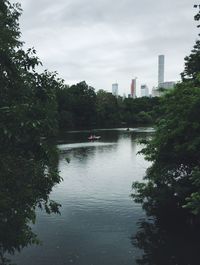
94,137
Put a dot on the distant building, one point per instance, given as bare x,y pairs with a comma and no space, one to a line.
133,88
155,92
144,91
163,87
161,68
167,85
115,89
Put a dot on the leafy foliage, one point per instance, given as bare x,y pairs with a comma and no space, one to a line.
171,188
174,151
28,116
192,63
80,107
107,109
76,105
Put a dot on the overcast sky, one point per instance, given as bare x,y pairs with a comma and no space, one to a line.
107,41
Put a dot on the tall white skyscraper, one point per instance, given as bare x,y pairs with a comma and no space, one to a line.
161,68
115,89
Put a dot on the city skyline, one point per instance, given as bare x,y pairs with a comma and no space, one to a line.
144,89
100,42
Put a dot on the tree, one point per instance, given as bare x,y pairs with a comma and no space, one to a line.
192,63
107,109
172,186
174,151
28,120
76,106
139,110
28,105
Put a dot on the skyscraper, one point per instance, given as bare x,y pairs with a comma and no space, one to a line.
115,89
161,68
133,88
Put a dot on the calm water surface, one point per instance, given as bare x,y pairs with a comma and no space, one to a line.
98,216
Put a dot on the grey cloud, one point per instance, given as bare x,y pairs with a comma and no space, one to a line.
104,41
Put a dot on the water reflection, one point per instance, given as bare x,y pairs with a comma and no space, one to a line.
84,153
111,135
166,245
26,180
98,216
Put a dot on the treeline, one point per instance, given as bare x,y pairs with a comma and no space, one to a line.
34,104
79,106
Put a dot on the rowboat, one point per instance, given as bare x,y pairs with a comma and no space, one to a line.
94,138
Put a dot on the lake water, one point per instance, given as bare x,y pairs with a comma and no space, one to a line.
98,217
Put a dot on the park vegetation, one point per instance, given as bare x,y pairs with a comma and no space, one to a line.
79,106
28,120
34,106
171,187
